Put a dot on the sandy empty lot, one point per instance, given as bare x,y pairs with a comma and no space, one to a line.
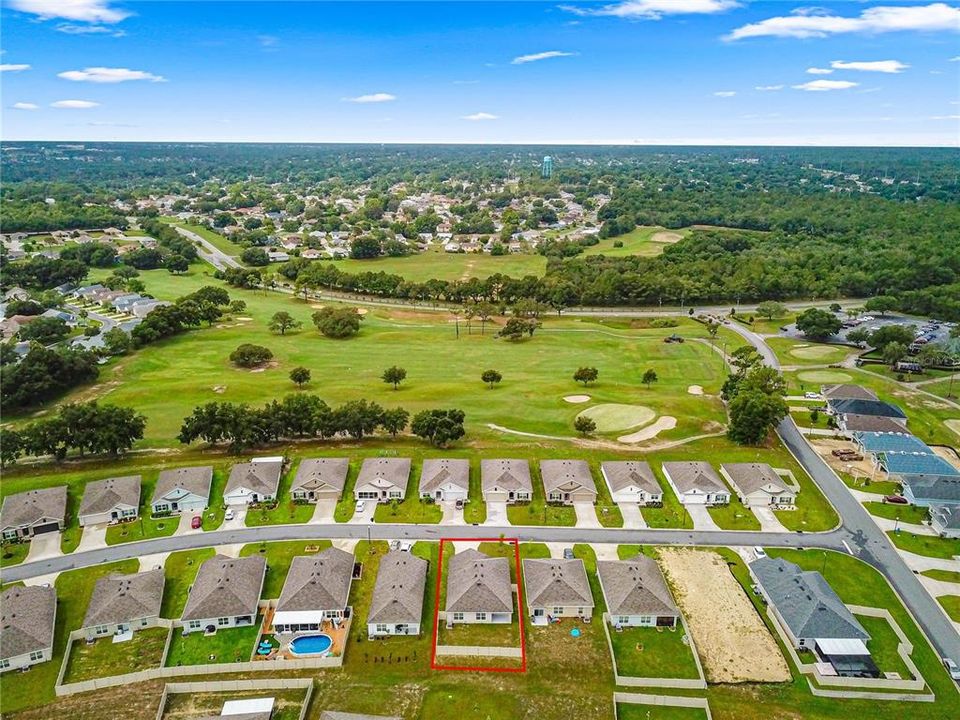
733,643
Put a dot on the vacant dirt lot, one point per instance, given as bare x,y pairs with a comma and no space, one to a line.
734,644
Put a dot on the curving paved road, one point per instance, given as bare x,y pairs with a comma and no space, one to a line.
208,251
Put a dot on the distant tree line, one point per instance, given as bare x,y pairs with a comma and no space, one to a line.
42,374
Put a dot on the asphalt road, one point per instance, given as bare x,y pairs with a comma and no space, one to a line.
208,251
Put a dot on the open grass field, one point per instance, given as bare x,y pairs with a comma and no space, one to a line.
645,241
653,652
104,658
943,575
929,545
904,513
793,352
951,603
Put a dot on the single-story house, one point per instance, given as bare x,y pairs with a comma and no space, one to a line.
478,589
696,483
396,607
636,593
110,500
858,406
382,479
847,392
632,481
33,512
317,588
758,484
506,480
813,616
927,490
851,423
445,479
567,481
123,604
225,594
898,464
945,519
557,589
183,489
253,482
878,442
320,479
28,615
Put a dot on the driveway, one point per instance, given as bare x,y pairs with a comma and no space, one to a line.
701,517
365,517
451,515
92,538
769,522
632,519
239,519
185,519
497,513
323,512
586,514
606,551
44,546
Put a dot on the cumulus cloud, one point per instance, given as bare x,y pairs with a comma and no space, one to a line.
826,85
25,106
74,104
536,57
725,93
818,71
881,66
91,11
372,98
7,67
654,9
768,88
921,18
480,116
109,75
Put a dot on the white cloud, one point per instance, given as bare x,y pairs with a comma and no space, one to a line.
881,66
480,116
818,71
268,42
768,88
372,98
109,75
725,93
25,106
826,85
535,57
91,11
74,104
954,59
71,29
7,67
945,117
923,18
655,9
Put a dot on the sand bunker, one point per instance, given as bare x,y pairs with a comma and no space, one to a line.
611,417
824,376
953,425
219,388
695,390
666,237
577,398
361,311
667,422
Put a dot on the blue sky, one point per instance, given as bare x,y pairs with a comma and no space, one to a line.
634,71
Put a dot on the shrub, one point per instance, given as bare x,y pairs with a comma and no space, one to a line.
248,355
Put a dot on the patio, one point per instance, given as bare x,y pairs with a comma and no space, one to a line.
280,642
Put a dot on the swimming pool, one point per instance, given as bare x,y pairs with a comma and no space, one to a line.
311,644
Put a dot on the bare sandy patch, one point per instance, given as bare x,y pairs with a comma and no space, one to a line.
666,237
731,638
665,422
245,319
219,388
953,425
577,398
361,311
695,390
825,448
948,454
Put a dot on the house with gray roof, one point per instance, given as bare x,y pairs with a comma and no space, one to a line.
28,616
567,481
857,406
850,424
928,490
696,483
632,481
758,485
123,604
879,442
320,479
898,464
945,519
33,512
478,589
556,589
110,500
396,607
317,588
445,479
506,480
382,479
225,594
252,482
185,489
636,593
847,392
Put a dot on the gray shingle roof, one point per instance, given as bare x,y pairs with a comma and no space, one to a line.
892,442
393,471
317,582
101,496
226,587
807,604
321,473
564,474
635,587
947,516
28,507
691,475
398,592
440,471
870,423
945,488
857,406
478,583
27,616
856,392
505,475
750,477
556,583
910,463
121,598
625,473
195,480
262,478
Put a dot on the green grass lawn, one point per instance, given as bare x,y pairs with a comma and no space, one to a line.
653,652
929,545
411,510
631,711
286,511
143,528
213,515
104,658
538,511
608,512
806,352
221,242
951,603
287,703
475,511
734,516
638,241
865,484
226,646
945,388
944,575
279,555
905,513
883,646
13,553
180,571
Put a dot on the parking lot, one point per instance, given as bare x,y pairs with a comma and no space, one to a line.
933,332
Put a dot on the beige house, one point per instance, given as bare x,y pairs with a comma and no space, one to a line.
253,482
33,512
478,589
382,479
396,607
317,588
123,604
506,481
444,479
320,479
28,616
636,593
557,589
225,594
696,483
632,481
758,484
567,481
110,500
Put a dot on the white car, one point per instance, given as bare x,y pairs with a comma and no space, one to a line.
952,668
359,507
811,395
759,552
228,515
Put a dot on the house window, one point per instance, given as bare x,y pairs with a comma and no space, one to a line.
161,507
381,628
558,611
194,625
623,620
457,617
223,621
481,616
4,663
9,534
143,623
36,655
394,493
100,629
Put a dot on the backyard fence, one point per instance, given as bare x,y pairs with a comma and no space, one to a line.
480,651
682,683
661,701
217,686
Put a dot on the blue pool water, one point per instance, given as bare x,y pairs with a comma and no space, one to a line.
311,644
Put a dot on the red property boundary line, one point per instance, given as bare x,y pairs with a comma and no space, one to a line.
434,665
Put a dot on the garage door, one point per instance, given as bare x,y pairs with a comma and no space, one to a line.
47,528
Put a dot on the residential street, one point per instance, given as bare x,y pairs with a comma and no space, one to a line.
209,252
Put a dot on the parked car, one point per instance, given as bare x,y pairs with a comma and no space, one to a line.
568,554
359,507
759,552
811,395
896,500
952,668
196,522
228,515
459,504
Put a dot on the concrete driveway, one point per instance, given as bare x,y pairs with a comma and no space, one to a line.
451,515
605,551
44,546
586,514
365,517
183,528
497,513
769,522
323,512
632,518
92,538
239,519
701,518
